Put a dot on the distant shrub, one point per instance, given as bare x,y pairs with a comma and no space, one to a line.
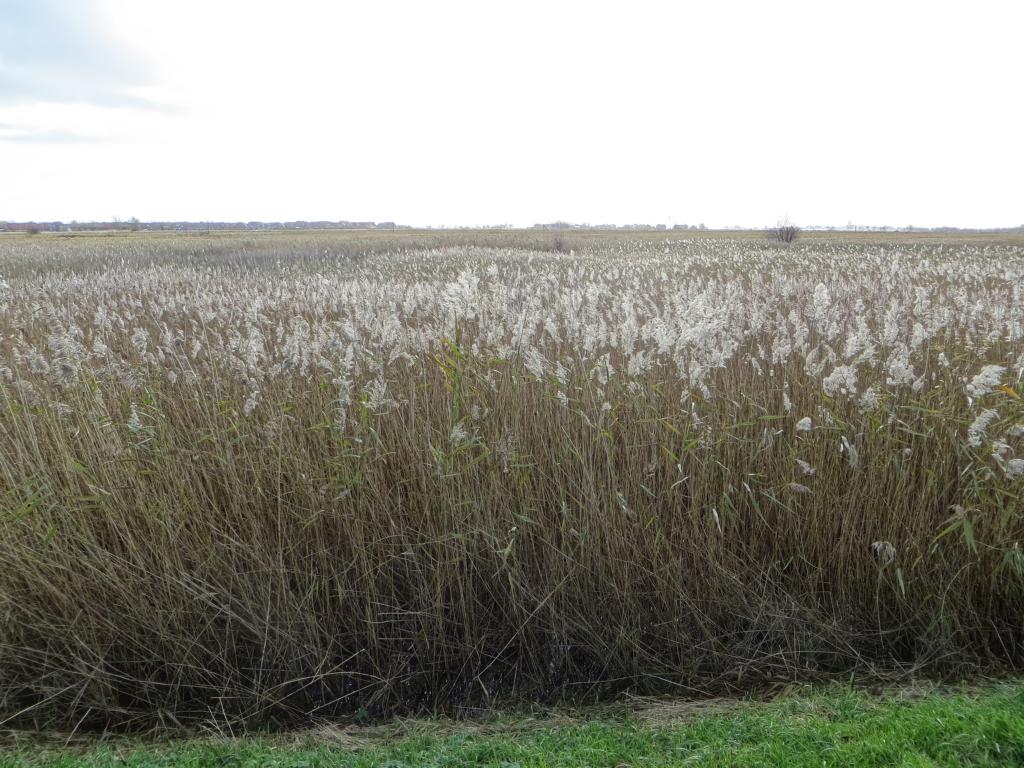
785,232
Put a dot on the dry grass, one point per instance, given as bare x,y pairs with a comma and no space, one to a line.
254,478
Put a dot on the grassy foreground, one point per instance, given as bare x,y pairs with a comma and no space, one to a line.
838,727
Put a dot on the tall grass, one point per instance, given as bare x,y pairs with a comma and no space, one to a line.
268,479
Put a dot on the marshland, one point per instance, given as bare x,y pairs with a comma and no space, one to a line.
273,477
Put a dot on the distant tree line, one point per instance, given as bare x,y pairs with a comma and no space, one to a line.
134,224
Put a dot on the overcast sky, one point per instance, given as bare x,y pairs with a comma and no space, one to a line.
432,113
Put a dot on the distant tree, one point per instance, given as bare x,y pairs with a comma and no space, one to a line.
786,231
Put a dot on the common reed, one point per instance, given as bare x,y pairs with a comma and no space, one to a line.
275,478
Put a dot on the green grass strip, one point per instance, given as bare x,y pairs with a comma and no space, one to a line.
831,728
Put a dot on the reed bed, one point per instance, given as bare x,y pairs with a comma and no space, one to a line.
263,479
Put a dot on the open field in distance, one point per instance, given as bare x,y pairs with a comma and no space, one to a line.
278,476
